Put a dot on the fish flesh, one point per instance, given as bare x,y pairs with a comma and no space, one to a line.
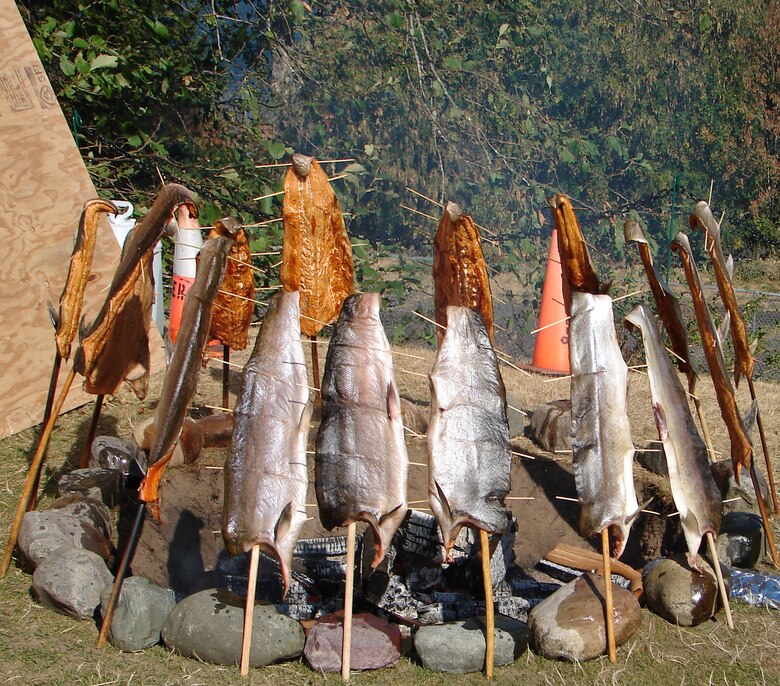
361,461
181,378
695,493
316,252
469,458
666,303
266,475
459,271
234,306
576,266
601,442
741,448
116,346
744,361
71,300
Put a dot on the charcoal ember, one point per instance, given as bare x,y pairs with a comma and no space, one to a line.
508,604
392,595
419,535
449,607
530,589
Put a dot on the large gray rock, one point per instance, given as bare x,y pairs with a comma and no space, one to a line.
102,484
89,510
205,626
110,452
70,581
141,610
741,539
375,643
43,531
679,594
739,497
570,625
459,647
551,425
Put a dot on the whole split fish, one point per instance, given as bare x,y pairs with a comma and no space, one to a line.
116,346
741,448
361,461
459,271
695,493
66,319
469,458
181,378
744,361
266,477
601,435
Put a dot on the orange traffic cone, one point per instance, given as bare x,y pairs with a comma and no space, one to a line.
551,352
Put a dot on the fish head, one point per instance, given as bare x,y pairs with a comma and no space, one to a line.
453,211
361,306
465,327
228,226
632,232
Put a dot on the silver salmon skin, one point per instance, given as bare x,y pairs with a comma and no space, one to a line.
360,460
694,491
600,432
265,473
469,458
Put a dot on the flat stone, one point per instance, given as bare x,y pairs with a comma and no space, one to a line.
723,473
679,594
140,612
187,448
569,624
89,510
459,647
217,430
741,539
101,484
652,458
376,643
206,627
551,425
70,581
44,531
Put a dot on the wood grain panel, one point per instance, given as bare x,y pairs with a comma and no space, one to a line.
43,186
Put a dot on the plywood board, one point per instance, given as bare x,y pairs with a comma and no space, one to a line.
43,186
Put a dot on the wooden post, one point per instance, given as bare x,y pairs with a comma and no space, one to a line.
609,619
724,596
770,477
490,618
770,537
55,375
135,532
346,645
226,376
249,612
84,461
33,474
705,430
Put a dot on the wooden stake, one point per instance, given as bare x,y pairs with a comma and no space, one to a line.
33,474
490,618
764,446
226,376
135,533
705,430
609,619
249,612
724,596
84,461
770,537
346,644
55,375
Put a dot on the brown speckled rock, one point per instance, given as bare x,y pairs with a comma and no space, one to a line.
551,425
678,593
569,624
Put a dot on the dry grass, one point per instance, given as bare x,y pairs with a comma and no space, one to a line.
38,647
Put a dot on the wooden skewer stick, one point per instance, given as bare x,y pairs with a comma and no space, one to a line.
346,644
273,195
249,611
315,368
427,216
226,376
490,618
33,473
84,461
705,429
769,476
55,375
609,619
724,596
770,537
287,164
